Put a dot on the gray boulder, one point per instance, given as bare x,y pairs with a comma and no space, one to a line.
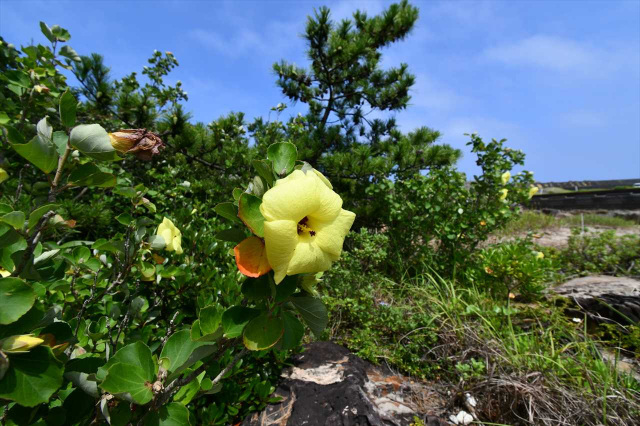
605,298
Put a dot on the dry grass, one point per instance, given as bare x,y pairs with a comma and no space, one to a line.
537,372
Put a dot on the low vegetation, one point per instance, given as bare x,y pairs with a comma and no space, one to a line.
494,333
534,221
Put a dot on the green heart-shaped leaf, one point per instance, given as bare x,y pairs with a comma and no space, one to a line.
263,332
16,298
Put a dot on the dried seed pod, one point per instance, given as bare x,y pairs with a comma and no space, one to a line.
139,142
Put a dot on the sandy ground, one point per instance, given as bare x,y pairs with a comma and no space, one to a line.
558,237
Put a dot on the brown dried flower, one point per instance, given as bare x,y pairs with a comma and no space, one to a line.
138,142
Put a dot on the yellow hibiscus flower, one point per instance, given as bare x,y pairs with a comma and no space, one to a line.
505,177
304,224
503,194
172,236
533,191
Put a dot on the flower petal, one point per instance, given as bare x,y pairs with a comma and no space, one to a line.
177,244
281,238
329,205
330,235
168,239
251,257
161,228
292,198
308,257
323,179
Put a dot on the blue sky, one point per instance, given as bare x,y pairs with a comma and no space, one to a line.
559,79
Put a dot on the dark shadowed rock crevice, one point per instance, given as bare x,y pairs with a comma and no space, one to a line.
327,385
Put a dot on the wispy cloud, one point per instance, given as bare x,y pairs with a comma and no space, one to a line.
274,39
583,118
229,44
557,54
433,95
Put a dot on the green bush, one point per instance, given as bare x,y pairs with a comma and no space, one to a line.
108,303
600,253
440,219
512,267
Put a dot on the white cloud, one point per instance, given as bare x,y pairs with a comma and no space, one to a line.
229,44
583,118
551,53
571,57
433,95
272,39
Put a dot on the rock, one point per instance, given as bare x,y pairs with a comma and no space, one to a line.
633,215
328,385
605,298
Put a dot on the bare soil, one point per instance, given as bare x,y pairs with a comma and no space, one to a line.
559,237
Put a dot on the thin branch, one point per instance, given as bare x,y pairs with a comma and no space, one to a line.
169,329
20,182
53,192
165,395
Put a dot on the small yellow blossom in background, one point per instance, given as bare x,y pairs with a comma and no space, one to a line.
539,255
503,194
304,224
4,273
483,223
40,88
172,236
533,191
505,177
19,343
3,175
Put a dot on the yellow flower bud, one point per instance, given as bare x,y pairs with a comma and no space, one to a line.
503,194
3,175
533,191
19,343
171,235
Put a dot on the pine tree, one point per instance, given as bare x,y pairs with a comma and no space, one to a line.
343,86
